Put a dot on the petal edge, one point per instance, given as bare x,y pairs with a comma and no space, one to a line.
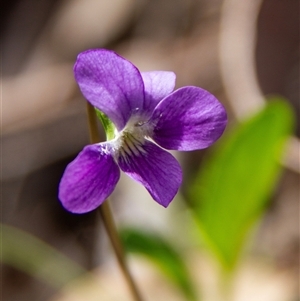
89,179
188,119
158,84
110,83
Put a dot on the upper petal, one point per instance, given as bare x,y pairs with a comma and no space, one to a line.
156,169
89,179
158,84
110,83
190,118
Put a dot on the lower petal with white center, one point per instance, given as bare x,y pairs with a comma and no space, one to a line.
89,179
156,169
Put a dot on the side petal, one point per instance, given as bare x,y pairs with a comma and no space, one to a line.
89,179
110,83
188,119
156,169
158,84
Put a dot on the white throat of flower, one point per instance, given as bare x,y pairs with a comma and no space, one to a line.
130,141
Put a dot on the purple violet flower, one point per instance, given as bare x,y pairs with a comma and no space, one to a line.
149,117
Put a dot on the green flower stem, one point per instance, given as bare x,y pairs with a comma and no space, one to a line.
107,217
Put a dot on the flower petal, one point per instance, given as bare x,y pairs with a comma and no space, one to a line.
89,179
190,118
156,169
158,84
110,83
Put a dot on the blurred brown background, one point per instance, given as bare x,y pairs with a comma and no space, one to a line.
43,113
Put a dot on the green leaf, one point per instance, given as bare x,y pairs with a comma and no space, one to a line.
108,126
25,252
163,254
231,189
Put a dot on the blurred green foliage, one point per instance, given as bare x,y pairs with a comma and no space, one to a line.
234,184
25,252
161,253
